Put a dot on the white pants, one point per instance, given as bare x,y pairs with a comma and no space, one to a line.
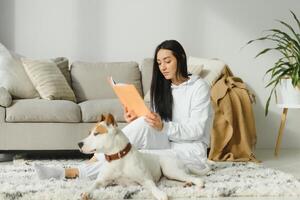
149,140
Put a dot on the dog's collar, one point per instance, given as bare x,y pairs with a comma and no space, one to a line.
118,155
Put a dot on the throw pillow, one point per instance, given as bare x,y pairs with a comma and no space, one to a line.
195,69
63,64
5,98
13,76
48,79
212,69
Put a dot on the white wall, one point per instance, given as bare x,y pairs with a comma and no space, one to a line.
123,30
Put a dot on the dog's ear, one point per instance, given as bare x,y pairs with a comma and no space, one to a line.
101,118
110,120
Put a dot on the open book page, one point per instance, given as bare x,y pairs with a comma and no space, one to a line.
130,97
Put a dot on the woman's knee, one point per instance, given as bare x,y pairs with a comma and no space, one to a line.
136,126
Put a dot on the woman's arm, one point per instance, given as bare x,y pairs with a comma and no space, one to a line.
194,127
154,120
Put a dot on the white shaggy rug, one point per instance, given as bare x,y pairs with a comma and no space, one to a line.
19,181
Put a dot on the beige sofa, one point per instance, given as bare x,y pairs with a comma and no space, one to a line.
39,124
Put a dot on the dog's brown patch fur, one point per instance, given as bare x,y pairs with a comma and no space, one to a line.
101,129
101,118
110,120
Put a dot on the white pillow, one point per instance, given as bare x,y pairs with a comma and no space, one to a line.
5,98
212,69
13,76
195,69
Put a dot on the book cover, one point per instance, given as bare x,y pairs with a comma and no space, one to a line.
129,97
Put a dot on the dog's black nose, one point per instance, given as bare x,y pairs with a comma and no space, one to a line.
80,144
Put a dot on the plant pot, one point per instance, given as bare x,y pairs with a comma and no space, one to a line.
287,94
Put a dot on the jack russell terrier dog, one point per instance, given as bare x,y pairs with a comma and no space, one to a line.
125,164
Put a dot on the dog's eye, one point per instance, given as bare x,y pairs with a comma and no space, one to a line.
96,133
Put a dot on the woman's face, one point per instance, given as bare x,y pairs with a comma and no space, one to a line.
167,64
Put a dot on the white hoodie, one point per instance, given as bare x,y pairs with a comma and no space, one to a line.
192,112
189,130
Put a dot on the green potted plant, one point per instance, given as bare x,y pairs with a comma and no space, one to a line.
286,70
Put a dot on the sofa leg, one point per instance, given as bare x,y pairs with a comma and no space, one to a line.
5,157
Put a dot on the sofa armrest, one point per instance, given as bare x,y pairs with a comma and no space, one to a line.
2,114
5,98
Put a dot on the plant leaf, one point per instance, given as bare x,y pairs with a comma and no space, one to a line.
295,17
287,36
269,99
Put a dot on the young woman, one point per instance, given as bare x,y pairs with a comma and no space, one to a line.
179,124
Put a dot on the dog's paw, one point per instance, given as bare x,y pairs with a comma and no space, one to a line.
85,196
188,184
199,183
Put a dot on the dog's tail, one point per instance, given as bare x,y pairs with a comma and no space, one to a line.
199,171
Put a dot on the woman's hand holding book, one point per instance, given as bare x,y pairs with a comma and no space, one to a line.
154,120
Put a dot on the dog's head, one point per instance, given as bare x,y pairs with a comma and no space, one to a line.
101,136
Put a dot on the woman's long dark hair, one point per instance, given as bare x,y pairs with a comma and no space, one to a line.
160,91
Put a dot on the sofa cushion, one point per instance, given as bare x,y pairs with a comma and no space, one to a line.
63,64
48,80
89,80
92,109
146,69
41,110
5,97
13,76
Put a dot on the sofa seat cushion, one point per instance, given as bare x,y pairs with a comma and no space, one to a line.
92,109
41,110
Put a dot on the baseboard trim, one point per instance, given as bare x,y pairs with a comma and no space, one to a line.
5,157
44,154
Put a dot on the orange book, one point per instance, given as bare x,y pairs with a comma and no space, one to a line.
129,97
